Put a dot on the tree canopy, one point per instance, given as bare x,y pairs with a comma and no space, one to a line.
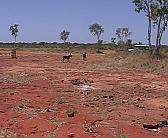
123,34
157,13
14,30
64,35
96,30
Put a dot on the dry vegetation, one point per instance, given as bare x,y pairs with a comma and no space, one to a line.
109,95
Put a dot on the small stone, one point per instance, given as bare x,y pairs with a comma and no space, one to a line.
71,135
111,97
62,80
89,130
140,106
48,110
124,101
71,114
133,120
162,107
139,99
109,110
105,96
12,93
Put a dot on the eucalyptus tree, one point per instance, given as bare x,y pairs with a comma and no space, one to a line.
157,13
145,6
14,31
123,34
64,35
96,30
160,19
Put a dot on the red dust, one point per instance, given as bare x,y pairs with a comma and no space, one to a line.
36,92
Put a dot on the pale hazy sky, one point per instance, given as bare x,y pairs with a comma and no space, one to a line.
43,20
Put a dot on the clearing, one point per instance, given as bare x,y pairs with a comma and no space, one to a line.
103,97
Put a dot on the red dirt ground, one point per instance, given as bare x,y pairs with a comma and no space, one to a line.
38,90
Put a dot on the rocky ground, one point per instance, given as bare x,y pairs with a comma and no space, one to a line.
42,97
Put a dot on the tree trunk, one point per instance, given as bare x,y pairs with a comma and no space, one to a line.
161,33
157,48
122,37
149,35
15,38
160,38
157,52
98,38
13,52
147,3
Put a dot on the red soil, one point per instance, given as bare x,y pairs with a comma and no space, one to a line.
37,91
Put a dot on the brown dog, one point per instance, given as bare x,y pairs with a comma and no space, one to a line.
67,57
84,56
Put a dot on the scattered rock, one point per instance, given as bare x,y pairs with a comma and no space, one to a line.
48,110
111,96
156,127
151,126
162,107
124,101
133,120
71,135
85,87
139,99
163,123
140,106
71,112
79,82
105,96
89,130
96,99
12,93
54,109
109,110
62,81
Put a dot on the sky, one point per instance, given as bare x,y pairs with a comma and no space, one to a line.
43,20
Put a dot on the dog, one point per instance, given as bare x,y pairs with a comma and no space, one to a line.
67,57
84,56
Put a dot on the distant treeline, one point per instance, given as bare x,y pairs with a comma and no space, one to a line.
47,44
67,44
